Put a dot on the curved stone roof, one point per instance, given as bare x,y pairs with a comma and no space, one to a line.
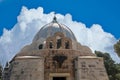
51,28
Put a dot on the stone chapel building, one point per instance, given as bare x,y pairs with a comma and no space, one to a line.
55,54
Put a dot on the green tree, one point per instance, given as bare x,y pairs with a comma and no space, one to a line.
117,48
113,69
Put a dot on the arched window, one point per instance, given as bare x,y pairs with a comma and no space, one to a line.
67,46
40,46
59,43
50,44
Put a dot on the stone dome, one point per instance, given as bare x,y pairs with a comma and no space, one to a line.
50,29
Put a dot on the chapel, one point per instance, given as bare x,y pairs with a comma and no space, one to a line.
55,54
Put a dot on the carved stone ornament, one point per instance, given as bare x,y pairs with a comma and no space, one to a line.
59,59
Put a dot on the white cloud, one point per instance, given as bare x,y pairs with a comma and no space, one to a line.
30,21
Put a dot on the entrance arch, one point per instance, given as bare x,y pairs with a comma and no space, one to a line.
59,76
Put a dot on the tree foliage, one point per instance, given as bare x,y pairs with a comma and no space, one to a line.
117,48
112,68
0,71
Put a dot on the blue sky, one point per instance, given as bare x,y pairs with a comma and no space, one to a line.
103,12
92,13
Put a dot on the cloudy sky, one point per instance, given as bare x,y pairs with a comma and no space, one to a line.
95,23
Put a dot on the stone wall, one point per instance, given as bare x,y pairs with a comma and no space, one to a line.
90,68
27,68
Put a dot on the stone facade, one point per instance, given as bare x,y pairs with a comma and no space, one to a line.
27,68
91,67
55,55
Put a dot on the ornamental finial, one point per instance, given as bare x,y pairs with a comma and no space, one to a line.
54,19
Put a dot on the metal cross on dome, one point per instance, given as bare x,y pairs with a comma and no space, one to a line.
54,19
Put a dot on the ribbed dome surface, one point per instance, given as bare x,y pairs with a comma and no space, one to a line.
51,28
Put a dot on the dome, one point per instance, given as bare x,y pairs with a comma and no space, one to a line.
50,29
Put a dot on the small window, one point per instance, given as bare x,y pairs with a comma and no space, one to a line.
67,45
51,45
40,46
59,42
